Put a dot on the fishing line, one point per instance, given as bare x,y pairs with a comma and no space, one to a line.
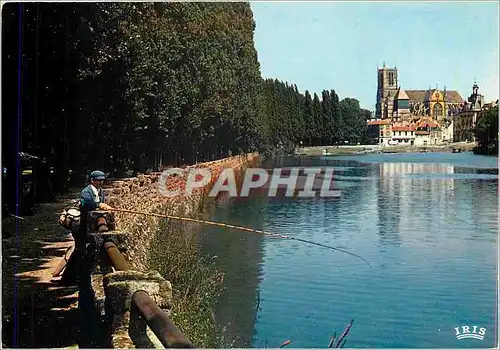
241,228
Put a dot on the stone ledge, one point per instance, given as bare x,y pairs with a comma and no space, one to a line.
121,285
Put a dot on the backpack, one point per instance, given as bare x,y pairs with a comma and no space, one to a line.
70,217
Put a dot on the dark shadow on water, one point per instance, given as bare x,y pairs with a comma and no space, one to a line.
388,210
239,256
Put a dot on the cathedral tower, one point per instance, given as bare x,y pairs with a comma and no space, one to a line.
387,87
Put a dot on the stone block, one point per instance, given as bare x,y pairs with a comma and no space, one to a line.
117,190
121,285
117,183
140,179
112,200
107,191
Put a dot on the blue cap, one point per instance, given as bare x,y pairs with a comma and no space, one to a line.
97,175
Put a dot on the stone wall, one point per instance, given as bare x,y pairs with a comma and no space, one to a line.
142,193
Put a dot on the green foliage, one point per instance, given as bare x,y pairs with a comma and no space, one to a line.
290,117
137,85
133,86
122,86
486,132
195,283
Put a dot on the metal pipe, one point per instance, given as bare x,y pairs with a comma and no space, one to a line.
117,259
159,322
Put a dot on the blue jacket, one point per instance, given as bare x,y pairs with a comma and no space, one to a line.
87,199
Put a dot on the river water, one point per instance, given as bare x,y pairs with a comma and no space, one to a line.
427,223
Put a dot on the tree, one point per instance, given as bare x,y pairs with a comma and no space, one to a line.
486,132
132,86
354,119
337,119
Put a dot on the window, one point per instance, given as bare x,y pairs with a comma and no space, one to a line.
391,79
438,110
406,133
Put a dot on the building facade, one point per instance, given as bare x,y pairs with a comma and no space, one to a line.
465,120
413,117
425,132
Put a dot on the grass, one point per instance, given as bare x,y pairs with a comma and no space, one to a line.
196,284
174,252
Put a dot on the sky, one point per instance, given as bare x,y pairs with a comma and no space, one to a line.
339,45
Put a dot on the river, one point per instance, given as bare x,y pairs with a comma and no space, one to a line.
427,223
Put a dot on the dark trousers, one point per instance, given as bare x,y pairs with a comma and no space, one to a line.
88,315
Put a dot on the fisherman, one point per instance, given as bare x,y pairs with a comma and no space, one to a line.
91,198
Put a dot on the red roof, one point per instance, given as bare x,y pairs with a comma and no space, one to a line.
379,122
426,123
403,128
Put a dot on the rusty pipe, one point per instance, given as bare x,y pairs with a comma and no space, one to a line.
159,322
117,259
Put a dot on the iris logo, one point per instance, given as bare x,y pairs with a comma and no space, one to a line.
470,332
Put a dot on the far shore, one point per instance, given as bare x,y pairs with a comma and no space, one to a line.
363,149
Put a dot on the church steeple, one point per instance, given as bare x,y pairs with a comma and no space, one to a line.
386,90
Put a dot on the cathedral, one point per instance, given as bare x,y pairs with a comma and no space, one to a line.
399,105
413,117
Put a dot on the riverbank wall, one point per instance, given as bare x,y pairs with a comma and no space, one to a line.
142,194
362,149
154,244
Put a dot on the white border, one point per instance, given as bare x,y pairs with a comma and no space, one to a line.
497,316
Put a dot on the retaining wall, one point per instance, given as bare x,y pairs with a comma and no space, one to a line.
142,193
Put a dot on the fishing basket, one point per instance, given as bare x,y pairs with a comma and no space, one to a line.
70,217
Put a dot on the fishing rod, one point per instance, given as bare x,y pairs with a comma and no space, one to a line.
241,228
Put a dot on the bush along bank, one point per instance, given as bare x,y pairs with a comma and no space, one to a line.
170,247
486,132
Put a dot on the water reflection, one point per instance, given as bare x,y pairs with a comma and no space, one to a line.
239,256
410,204
428,232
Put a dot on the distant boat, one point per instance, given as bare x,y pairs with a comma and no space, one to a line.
325,153
423,150
457,150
